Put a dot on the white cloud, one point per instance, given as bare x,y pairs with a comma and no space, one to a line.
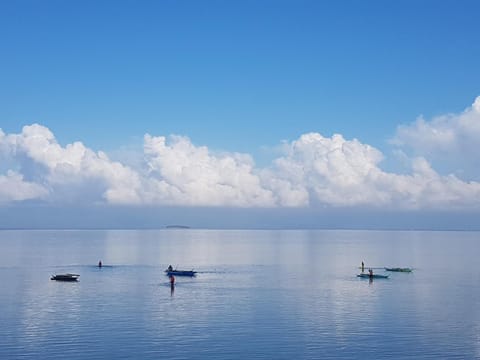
14,188
313,171
189,175
74,171
331,170
451,141
334,171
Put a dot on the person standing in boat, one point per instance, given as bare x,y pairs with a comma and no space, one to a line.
170,268
363,267
100,264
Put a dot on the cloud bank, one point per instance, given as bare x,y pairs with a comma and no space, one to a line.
450,141
313,171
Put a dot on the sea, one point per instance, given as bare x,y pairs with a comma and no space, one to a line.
257,294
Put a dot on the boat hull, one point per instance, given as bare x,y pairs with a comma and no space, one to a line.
65,277
180,273
374,276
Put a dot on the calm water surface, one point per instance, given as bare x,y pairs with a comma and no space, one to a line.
258,295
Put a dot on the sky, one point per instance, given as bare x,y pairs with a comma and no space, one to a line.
261,114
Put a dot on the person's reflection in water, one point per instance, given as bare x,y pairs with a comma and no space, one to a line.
370,275
172,285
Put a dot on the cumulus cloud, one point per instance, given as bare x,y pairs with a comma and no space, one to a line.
313,170
74,171
330,170
451,141
339,172
14,188
191,175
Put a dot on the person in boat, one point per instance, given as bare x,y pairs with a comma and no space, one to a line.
363,267
170,268
370,272
100,264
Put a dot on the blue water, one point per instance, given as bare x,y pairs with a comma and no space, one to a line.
258,295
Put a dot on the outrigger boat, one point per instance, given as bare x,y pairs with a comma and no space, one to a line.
373,276
180,272
399,269
65,277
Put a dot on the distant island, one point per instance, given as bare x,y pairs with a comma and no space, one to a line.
177,227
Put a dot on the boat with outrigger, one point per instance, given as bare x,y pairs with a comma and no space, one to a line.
372,276
65,277
170,271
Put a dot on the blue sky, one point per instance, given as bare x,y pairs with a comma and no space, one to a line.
248,77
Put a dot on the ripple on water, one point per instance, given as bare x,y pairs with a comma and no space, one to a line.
263,299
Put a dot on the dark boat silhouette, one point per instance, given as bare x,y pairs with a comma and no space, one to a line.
176,272
65,277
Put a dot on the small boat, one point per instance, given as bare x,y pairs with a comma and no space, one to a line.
65,277
399,269
374,276
180,272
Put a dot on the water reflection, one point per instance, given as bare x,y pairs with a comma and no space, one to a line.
304,284
172,284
